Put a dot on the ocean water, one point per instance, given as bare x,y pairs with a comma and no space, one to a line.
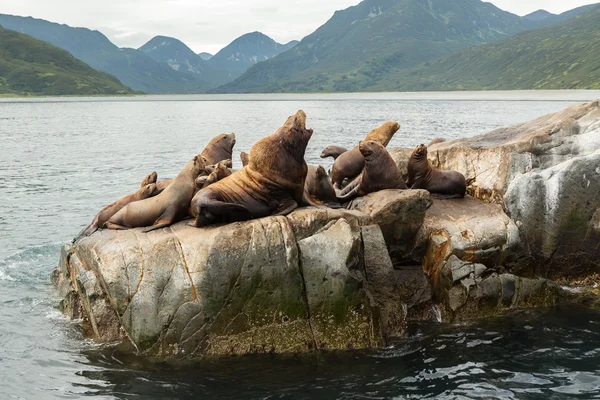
64,159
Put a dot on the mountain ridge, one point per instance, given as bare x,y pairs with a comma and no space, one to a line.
561,56
29,66
357,45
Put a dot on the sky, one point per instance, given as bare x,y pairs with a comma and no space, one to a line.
209,25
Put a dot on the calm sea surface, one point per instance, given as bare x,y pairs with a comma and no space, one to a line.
64,159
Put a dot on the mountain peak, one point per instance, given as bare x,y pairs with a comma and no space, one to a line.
174,52
539,15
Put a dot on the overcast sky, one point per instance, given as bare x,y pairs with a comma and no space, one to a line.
209,25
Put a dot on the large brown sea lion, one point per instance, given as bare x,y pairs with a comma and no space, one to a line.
421,175
350,164
271,184
219,148
318,186
380,172
107,212
244,158
333,151
164,209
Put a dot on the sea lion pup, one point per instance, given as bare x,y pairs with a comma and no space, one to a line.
244,158
107,212
271,184
333,151
164,209
318,186
436,141
349,164
223,163
219,148
219,171
381,172
421,175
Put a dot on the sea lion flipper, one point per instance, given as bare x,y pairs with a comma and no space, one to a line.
157,226
286,207
112,225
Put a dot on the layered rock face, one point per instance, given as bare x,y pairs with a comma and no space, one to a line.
311,280
323,279
545,174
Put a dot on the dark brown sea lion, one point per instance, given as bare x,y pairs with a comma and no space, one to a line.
421,175
350,164
244,158
318,186
333,151
219,148
271,184
107,212
164,209
436,141
381,172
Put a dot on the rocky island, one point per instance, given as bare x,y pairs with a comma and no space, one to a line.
332,279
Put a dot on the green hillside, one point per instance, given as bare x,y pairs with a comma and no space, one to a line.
363,44
358,44
31,67
563,56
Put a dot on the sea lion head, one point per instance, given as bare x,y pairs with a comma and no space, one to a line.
149,190
420,152
384,133
226,163
321,173
200,164
151,178
369,148
225,140
295,136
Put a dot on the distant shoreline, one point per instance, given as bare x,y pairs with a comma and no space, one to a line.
497,95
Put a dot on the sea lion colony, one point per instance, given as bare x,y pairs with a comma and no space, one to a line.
274,180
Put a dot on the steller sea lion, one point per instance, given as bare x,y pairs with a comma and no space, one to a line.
380,172
271,184
318,186
219,172
436,141
219,148
333,151
164,209
244,158
350,164
107,212
421,175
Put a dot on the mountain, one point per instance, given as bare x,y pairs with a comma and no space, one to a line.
562,56
246,51
205,56
223,67
30,66
359,45
132,67
173,52
539,15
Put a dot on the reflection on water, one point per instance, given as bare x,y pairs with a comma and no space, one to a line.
64,160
